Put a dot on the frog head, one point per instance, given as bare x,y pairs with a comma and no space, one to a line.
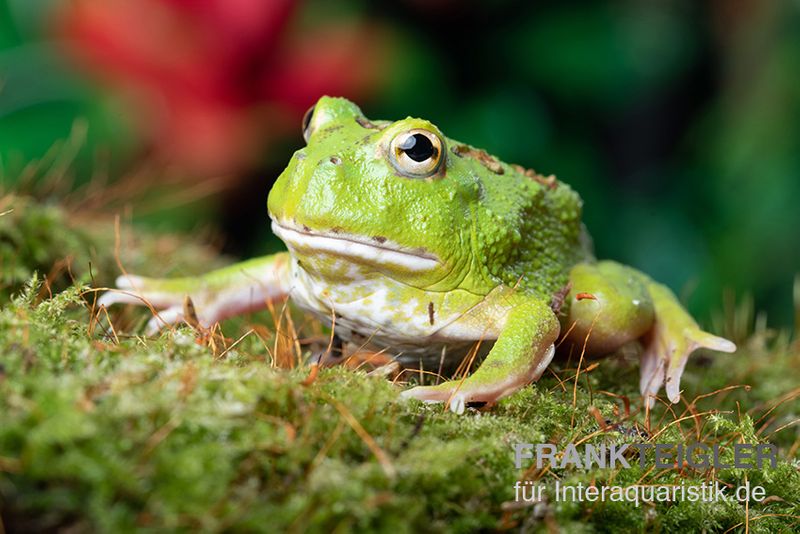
399,199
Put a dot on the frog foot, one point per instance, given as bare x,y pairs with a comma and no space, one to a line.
665,355
669,343
168,306
204,300
479,388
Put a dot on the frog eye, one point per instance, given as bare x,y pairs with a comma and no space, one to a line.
416,153
307,122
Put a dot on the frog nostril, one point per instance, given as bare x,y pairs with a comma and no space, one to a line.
335,160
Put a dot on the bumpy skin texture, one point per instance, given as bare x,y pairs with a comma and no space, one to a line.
427,245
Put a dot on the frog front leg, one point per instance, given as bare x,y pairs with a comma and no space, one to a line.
520,355
239,288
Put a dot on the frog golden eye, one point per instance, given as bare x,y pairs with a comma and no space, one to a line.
307,122
416,153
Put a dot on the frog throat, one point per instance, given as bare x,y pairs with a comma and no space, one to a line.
355,248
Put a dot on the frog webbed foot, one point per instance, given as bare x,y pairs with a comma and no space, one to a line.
207,299
665,355
667,347
483,386
167,303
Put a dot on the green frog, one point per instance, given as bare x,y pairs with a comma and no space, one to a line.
424,245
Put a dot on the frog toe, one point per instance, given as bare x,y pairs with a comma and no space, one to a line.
651,374
125,292
132,289
665,355
456,400
111,297
427,393
693,339
164,319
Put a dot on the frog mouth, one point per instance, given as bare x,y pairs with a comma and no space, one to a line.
354,247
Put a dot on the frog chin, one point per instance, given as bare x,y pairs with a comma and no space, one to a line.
363,250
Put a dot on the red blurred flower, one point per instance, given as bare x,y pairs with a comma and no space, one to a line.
214,81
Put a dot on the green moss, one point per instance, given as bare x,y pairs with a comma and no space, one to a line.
76,245
114,432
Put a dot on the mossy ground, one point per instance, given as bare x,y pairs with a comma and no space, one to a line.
104,430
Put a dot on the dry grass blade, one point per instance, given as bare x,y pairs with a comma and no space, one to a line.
676,421
783,427
580,364
380,455
233,345
762,516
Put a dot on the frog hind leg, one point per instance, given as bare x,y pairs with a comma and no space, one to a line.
239,288
520,355
611,304
668,345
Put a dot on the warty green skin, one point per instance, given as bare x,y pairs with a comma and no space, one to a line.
423,266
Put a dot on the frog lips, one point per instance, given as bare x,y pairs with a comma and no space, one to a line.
355,247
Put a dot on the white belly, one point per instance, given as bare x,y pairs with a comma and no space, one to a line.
390,314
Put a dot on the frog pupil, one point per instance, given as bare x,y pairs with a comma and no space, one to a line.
418,147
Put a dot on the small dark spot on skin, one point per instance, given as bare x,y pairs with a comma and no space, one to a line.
335,230
379,239
430,313
306,228
481,187
335,160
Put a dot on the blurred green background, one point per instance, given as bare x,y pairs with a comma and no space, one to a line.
678,122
